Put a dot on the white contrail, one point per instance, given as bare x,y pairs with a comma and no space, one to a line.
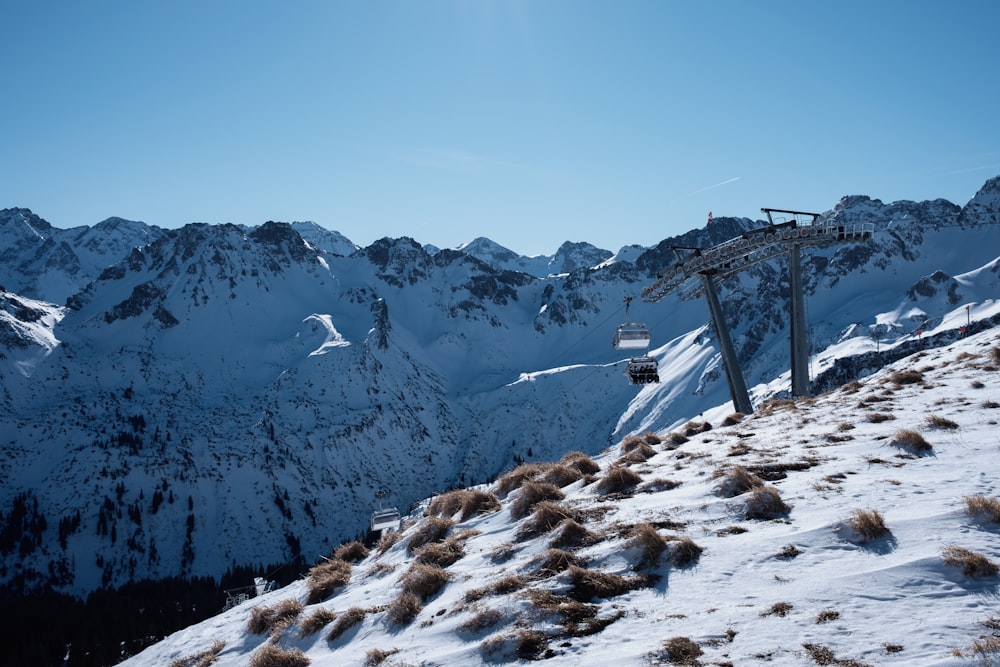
713,186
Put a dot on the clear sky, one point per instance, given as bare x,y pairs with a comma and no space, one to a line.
531,123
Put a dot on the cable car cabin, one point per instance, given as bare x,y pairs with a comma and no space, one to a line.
642,370
631,336
387,519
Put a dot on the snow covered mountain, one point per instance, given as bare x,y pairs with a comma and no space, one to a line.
569,257
224,396
854,528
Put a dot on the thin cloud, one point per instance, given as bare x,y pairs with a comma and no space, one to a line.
706,189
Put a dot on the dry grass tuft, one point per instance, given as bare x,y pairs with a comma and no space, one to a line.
501,587
938,422
906,377
554,561
581,462
376,657
649,543
272,655
351,552
482,620
827,615
404,608
868,524
561,475
388,539
569,533
202,659
589,584
676,439
693,428
911,441
441,554
325,578
639,454
765,503
681,651
684,552
433,529
470,502
544,519
312,623
617,479
778,609
424,581
973,563
345,622
852,387
267,619
737,481
651,438
531,494
986,507
513,480
733,419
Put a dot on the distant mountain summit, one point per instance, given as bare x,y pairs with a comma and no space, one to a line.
216,395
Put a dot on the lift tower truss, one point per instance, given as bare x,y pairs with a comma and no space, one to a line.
701,270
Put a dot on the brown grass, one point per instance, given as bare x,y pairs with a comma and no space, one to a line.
352,552
424,581
693,428
312,623
544,519
737,481
470,502
325,578
589,584
681,651
879,417
684,552
388,539
765,503
939,422
554,561
481,620
676,439
272,655
433,529
345,622
868,525
778,609
404,608
985,507
376,657
267,619
911,441
531,494
638,452
561,475
501,587
569,533
580,462
906,377
649,543
827,615
973,563
515,478
202,659
441,554
617,479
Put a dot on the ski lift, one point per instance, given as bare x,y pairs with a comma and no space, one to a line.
385,518
642,370
631,335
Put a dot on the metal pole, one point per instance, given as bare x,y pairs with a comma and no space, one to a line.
797,328
737,386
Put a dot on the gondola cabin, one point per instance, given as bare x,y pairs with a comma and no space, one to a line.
631,336
642,370
387,519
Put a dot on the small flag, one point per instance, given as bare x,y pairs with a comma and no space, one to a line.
710,217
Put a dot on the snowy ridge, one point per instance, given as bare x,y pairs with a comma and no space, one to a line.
692,565
188,371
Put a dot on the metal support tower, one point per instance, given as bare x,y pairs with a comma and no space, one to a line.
704,268
737,386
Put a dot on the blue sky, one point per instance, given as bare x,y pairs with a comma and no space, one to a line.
531,123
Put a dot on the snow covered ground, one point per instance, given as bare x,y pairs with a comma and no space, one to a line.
797,587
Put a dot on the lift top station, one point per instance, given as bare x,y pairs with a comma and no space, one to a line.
700,270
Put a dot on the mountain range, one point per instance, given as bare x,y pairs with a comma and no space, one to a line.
182,401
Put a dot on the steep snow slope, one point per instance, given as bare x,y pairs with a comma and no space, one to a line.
715,575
